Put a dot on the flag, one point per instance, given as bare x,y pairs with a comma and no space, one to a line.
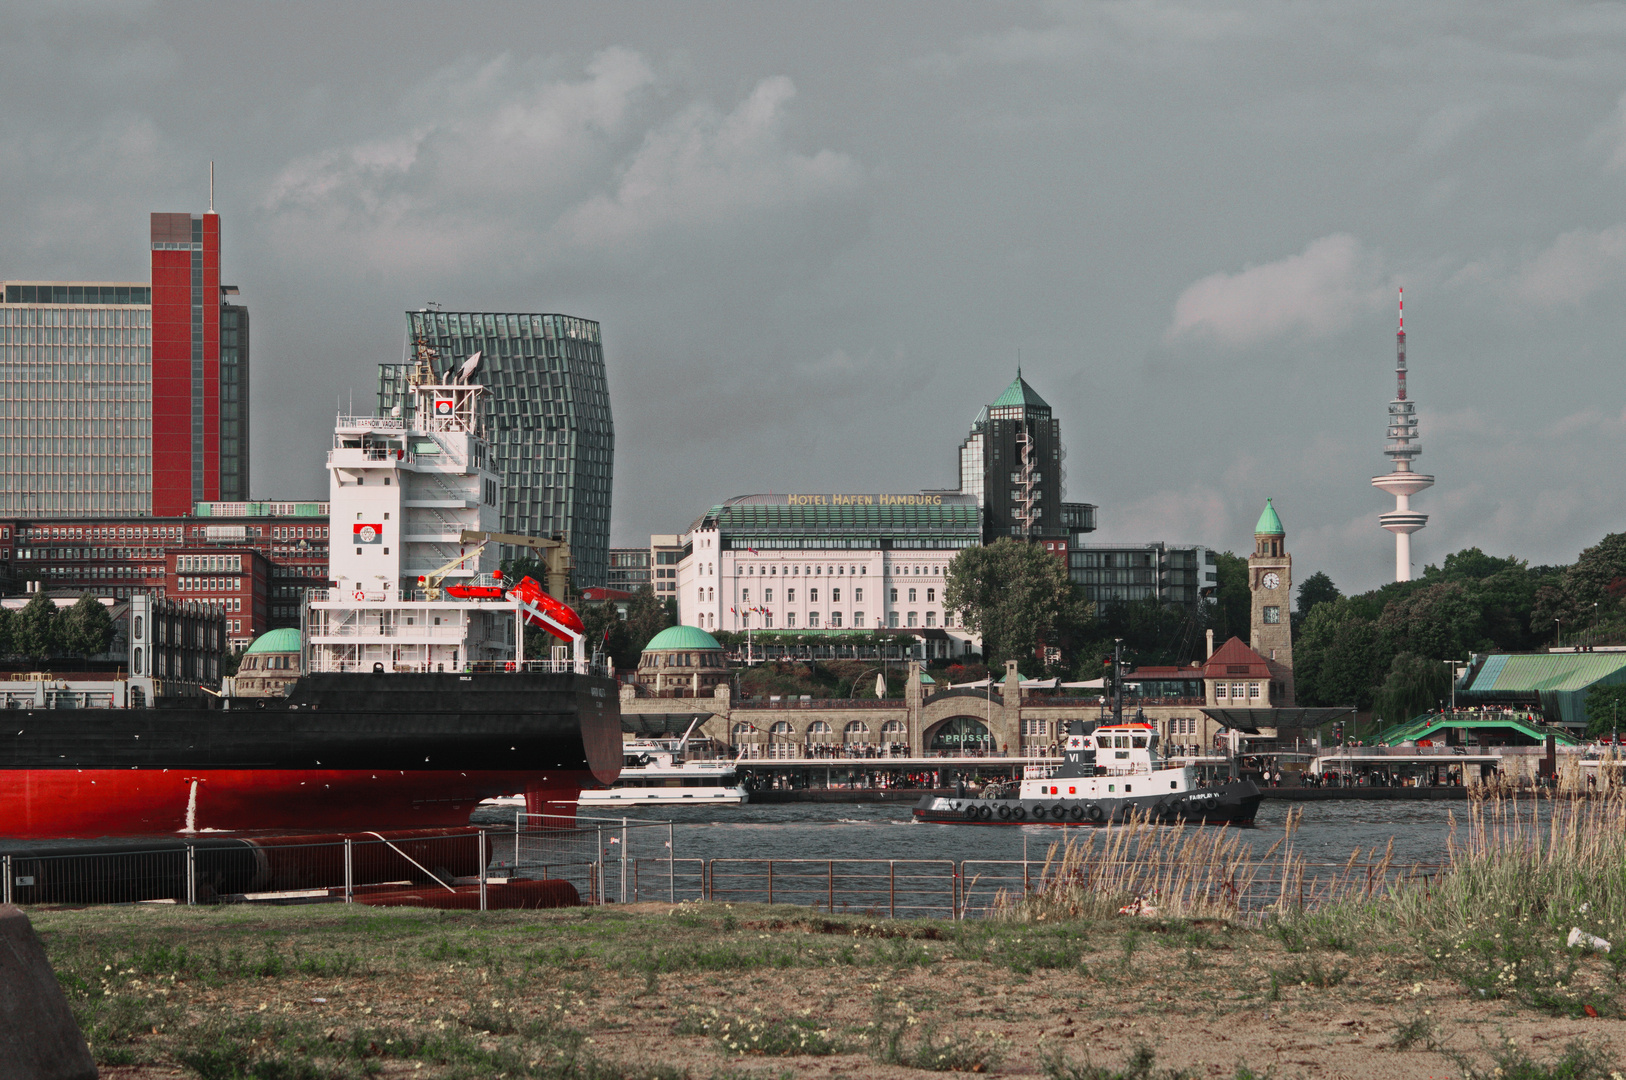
880,685
368,534
752,550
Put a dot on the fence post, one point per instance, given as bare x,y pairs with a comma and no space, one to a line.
624,861
482,869
770,881
671,866
191,875
349,872
515,871
599,858
7,868
891,889
831,902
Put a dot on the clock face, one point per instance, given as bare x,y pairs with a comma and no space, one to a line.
1271,581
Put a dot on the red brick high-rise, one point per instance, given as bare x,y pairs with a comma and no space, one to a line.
185,362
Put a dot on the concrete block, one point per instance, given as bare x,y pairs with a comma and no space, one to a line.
38,1037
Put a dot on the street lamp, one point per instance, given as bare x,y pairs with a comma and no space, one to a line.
1559,643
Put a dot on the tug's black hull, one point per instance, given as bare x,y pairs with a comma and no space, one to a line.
1233,803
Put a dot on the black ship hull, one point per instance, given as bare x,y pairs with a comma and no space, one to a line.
341,751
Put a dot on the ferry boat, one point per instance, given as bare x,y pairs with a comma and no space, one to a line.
1107,776
413,702
670,771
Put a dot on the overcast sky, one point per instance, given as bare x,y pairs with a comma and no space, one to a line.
817,235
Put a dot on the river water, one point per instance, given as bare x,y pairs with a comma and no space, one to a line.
1328,831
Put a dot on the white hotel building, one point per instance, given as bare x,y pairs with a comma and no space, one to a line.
829,564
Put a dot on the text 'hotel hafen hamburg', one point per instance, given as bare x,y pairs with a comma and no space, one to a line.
548,409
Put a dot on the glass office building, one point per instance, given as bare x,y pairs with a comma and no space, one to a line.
126,397
549,410
75,398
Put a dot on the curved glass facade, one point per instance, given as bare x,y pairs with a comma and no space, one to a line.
549,410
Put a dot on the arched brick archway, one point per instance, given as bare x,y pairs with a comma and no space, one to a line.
958,732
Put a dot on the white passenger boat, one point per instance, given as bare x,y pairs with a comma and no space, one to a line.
670,771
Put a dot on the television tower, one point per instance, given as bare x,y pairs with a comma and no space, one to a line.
1402,482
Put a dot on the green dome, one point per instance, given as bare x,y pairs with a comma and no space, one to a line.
1269,523
927,680
681,637
284,640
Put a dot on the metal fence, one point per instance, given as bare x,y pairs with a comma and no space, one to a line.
620,861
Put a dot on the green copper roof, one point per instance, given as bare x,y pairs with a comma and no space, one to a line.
681,637
1269,523
284,640
1019,393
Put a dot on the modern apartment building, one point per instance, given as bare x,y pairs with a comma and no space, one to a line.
122,397
548,409
629,569
1125,573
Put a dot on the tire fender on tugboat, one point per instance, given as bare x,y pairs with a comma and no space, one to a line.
1095,813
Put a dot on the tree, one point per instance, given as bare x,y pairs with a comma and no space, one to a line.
1604,706
86,629
8,621
1014,594
1337,659
647,615
1414,685
1231,614
1441,622
1316,589
34,632
607,632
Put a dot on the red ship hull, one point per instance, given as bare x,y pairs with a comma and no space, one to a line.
50,803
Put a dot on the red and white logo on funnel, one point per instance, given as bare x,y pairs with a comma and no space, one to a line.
443,406
544,611
368,534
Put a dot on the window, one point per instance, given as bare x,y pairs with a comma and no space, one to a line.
745,596
911,596
858,596
1236,691
1253,690
858,619
812,596
931,618
812,620
894,596
914,618
835,596
790,619
931,595
790,598
835,618
1273,614
1220,692
1035,728
767,596
892,618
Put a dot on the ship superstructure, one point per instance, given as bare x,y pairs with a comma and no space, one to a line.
402,493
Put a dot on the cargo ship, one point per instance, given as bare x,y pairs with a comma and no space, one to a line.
415,699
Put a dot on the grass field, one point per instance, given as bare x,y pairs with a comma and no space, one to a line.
752,991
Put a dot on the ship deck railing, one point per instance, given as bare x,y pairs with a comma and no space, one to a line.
492,667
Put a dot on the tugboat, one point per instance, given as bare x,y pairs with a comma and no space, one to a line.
1108,775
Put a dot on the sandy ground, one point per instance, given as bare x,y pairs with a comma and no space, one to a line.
658,991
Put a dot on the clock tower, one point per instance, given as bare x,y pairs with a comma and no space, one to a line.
1270,579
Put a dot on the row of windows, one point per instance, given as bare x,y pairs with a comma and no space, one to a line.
79,294
191,563
708,620
1234,691
813,595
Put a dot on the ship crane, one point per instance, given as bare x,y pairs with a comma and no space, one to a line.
544,608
